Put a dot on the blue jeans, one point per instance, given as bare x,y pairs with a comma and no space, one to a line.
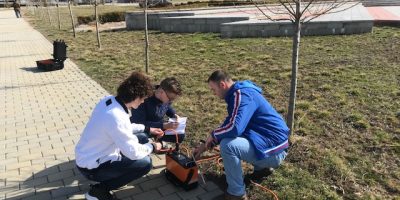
143,138
113,175
233,151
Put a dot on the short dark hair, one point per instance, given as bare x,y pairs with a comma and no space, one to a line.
218,76
170,84
137,85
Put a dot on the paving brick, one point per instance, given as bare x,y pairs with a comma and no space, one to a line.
77,196
43,159
10,150
75,180
10,186
28,146
158,161
64,158
168,189
32,156
17,154
153,183
39,196
171,197
18,165
138,181
149,195
191,193
210,186
49,186
68,165
28,137
50,142
157,172
54,151
63,191
2,183
212,195
35,182
9,173
39,139
25,192
128,191
15,144
60,175
60,198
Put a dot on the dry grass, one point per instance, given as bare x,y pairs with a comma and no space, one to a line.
346,142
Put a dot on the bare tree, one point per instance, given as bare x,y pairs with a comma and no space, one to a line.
49,15
58,14
97,24
300,12
146,38
72,17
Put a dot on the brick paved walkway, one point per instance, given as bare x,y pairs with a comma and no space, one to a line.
41,117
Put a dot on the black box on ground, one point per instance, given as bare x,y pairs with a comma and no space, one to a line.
50,64
59,56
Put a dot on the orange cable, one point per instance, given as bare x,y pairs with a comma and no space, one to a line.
220,165
265,189
219,161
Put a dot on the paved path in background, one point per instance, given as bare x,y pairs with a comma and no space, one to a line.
385,13
41,117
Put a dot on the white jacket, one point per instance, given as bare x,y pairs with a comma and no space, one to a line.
109,133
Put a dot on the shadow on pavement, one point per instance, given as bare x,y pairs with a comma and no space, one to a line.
33,69
64,181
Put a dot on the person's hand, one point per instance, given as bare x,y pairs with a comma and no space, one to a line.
157,146
170,125
156,132
198,150
209,142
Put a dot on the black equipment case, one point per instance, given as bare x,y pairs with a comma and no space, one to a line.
59,56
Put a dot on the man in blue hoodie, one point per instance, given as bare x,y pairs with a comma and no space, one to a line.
253,131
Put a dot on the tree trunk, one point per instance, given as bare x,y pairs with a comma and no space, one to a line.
146,38
72,17
58,13
97,24
295,62
49,15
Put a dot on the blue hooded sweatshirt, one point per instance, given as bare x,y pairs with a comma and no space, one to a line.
251,116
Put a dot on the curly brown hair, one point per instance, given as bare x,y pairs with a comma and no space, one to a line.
137,85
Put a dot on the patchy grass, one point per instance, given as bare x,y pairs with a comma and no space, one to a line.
346,142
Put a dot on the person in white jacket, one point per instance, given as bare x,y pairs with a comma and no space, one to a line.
107,151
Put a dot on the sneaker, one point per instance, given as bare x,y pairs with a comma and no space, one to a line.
98,193
259,175
233,197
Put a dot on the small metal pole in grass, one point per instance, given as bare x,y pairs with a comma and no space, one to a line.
146,36
42,14
72,17
48,14
58,13
97,24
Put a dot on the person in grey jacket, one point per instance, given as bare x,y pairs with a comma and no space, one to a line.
107,151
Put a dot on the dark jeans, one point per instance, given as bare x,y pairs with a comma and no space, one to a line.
18,13
113,175
166,138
